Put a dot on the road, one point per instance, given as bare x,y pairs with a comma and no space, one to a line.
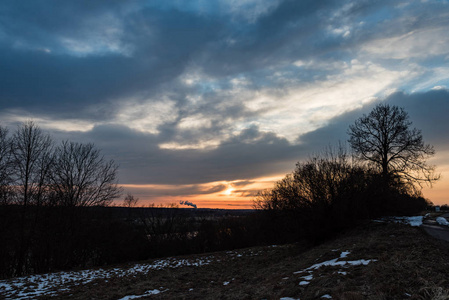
436,230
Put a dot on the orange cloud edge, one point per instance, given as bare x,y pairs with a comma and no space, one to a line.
238,194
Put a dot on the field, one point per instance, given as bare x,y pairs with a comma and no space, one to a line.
374,261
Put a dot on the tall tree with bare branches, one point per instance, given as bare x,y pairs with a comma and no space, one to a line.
31,158
82,177
385,139
31,152
6,170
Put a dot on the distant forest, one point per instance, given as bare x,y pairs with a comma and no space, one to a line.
55,214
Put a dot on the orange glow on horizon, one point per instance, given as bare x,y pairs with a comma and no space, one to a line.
439,192
240,194
237,194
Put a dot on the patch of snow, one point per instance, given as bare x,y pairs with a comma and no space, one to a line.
308,277
327,296
226,282
342,272
147,293
360,262
304,282
442,221
412,221
288,298
415,221
336,262
344,254
52,284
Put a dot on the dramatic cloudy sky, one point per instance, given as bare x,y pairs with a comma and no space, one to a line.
212,100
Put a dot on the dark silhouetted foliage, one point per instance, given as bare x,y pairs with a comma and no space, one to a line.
331,192
384,138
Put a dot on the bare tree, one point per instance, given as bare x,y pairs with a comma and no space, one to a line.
318,181
31,158
386,140
5,167
82,177
130,200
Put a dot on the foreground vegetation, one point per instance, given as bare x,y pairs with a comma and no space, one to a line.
399,262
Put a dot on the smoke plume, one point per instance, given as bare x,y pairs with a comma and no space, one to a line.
188,203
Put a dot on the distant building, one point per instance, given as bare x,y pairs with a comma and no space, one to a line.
437,208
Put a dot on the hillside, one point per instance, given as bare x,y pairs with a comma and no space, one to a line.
374,261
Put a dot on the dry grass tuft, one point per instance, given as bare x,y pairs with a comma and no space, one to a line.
434,293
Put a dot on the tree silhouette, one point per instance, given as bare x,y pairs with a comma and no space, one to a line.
130,200
6,168
82,177
385,139
31,158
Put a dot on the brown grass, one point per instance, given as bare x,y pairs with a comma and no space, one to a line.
410,265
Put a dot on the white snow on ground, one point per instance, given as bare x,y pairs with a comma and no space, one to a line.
326,296
308,277
442,221
344,254
332,262
53,283
336,262
415,221
412,221
147,293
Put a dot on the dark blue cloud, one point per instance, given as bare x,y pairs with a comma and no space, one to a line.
87,59
248,155
427,112
164,40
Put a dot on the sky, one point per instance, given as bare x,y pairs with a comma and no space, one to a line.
211,101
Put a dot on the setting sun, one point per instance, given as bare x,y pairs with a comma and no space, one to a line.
229,191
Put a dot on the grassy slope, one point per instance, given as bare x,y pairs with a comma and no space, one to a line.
410,265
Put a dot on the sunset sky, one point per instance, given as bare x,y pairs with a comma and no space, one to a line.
211,101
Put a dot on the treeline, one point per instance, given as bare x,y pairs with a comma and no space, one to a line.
382,175
41,186
330,192
63,238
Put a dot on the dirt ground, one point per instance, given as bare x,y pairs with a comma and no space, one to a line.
375,261
402,262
